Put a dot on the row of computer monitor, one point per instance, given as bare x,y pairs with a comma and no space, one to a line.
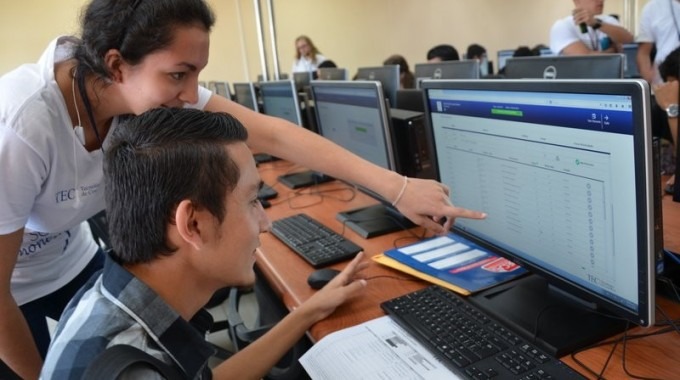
606,66
562,168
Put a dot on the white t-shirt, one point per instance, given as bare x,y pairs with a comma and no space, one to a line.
565,32
50,183
658,26
306,64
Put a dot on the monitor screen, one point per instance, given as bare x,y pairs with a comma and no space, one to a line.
564,171
447,70
503,55
353,114
630,67
279,99
244,94
387,75
332,73
603,66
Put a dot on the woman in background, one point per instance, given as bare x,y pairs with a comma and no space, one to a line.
307,56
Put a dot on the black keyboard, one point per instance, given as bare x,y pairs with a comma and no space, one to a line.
469,341
316,243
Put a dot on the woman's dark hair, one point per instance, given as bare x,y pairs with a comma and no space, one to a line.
405,75
136,28
155,161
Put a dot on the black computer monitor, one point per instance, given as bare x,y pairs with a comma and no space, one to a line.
602,66
564,171
387,75
244,94
220,88
630,67
279,99
332,73
410,99
302,80
546,52
503,55
353,114
466,69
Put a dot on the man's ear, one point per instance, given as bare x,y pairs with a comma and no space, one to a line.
188,224
114,62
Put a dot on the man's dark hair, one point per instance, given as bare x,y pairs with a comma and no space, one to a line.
670,67
444,52
326,64
155,161
475,51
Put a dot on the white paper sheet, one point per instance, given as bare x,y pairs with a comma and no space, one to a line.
378,349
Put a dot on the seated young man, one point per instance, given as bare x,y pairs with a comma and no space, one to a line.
184,220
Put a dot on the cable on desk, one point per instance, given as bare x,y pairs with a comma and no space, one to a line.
322,194
625,338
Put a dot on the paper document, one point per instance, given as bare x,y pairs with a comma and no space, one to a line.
377,349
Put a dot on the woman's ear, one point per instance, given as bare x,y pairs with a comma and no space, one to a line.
114,62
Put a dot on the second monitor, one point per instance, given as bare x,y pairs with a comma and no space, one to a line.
353,114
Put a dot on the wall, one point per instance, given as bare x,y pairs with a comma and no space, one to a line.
353,33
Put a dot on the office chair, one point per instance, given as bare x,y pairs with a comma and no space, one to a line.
270,311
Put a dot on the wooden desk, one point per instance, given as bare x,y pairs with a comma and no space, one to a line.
654,356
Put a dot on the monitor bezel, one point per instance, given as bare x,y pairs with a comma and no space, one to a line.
251,90
387,75
382,109
639,91
469,67
302,79
288,83
332,73
514,64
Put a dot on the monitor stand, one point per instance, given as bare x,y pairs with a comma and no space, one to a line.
552,319
261,158
304,179
374,220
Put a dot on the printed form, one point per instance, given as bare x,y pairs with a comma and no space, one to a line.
378,349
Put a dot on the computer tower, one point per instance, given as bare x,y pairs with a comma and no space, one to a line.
413,148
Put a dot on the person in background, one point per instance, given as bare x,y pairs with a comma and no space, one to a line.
406,78
538,48
55,119
200,227
307,56
478,52
666,97
441,53
588,31
325,64
657,33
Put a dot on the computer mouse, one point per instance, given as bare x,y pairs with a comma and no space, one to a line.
320,277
